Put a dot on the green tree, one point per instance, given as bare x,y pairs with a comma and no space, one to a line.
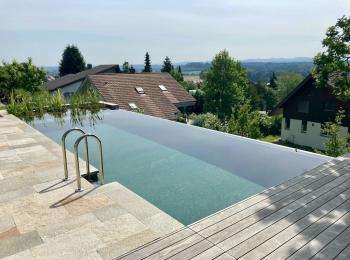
167,65
117,69
148,67
272,83
270,98
72,61
23,75
207,120
335,144
126,68
332,66
256,95
225,85
244,122
177,75
286,83
132,69
179,69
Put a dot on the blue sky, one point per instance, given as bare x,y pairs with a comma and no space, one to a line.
112,31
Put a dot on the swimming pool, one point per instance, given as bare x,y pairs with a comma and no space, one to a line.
186,171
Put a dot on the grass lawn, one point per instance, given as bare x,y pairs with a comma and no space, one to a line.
275,139
270,138
191,77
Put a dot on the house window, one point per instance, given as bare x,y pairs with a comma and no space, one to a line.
303,106
132,106
162,88
303,126
140,90
329,106
287,123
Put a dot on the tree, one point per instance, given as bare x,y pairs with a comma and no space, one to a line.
177,75
167,65
286,83
148,67
72,61
257,92
272,83
179,69
332,66
335,144
225,85
244,122
117,69
270,98
126,68
23,75
132,69
207,120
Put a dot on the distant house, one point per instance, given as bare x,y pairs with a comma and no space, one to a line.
155,94
305,110
69,84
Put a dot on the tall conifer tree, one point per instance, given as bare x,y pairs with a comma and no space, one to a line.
148,67
72,61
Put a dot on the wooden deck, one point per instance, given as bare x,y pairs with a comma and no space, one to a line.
305,217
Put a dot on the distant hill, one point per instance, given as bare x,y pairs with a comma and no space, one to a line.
257,69
262,71
280,60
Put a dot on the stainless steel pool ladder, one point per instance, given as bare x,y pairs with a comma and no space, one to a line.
76,153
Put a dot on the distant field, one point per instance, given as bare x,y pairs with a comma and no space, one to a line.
191,77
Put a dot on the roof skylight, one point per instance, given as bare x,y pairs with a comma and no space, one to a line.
140,90
132,106
163,88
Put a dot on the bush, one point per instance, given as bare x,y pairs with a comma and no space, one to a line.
24,75
181,118
207,120
335,145
244,122
270,125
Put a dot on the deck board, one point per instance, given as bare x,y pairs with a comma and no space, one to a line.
274,192
306,216
271,238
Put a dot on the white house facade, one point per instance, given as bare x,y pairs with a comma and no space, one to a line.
306,110
306,133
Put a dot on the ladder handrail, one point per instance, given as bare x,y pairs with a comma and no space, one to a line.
76,153
64,152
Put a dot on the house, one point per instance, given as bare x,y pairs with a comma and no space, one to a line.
155,94
305,110
70,83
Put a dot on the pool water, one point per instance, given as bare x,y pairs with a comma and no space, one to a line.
186,171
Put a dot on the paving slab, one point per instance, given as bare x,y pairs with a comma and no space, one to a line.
43,217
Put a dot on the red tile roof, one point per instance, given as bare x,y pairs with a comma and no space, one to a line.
120,88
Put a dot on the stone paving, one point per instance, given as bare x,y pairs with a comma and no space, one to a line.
42,217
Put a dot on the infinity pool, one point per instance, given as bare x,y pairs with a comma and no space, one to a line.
186,171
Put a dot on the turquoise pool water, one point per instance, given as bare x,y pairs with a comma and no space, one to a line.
185,171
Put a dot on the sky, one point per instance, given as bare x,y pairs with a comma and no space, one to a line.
113,31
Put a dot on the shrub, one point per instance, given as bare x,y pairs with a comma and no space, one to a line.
244,122
181,118
270,125
335,145
207,120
